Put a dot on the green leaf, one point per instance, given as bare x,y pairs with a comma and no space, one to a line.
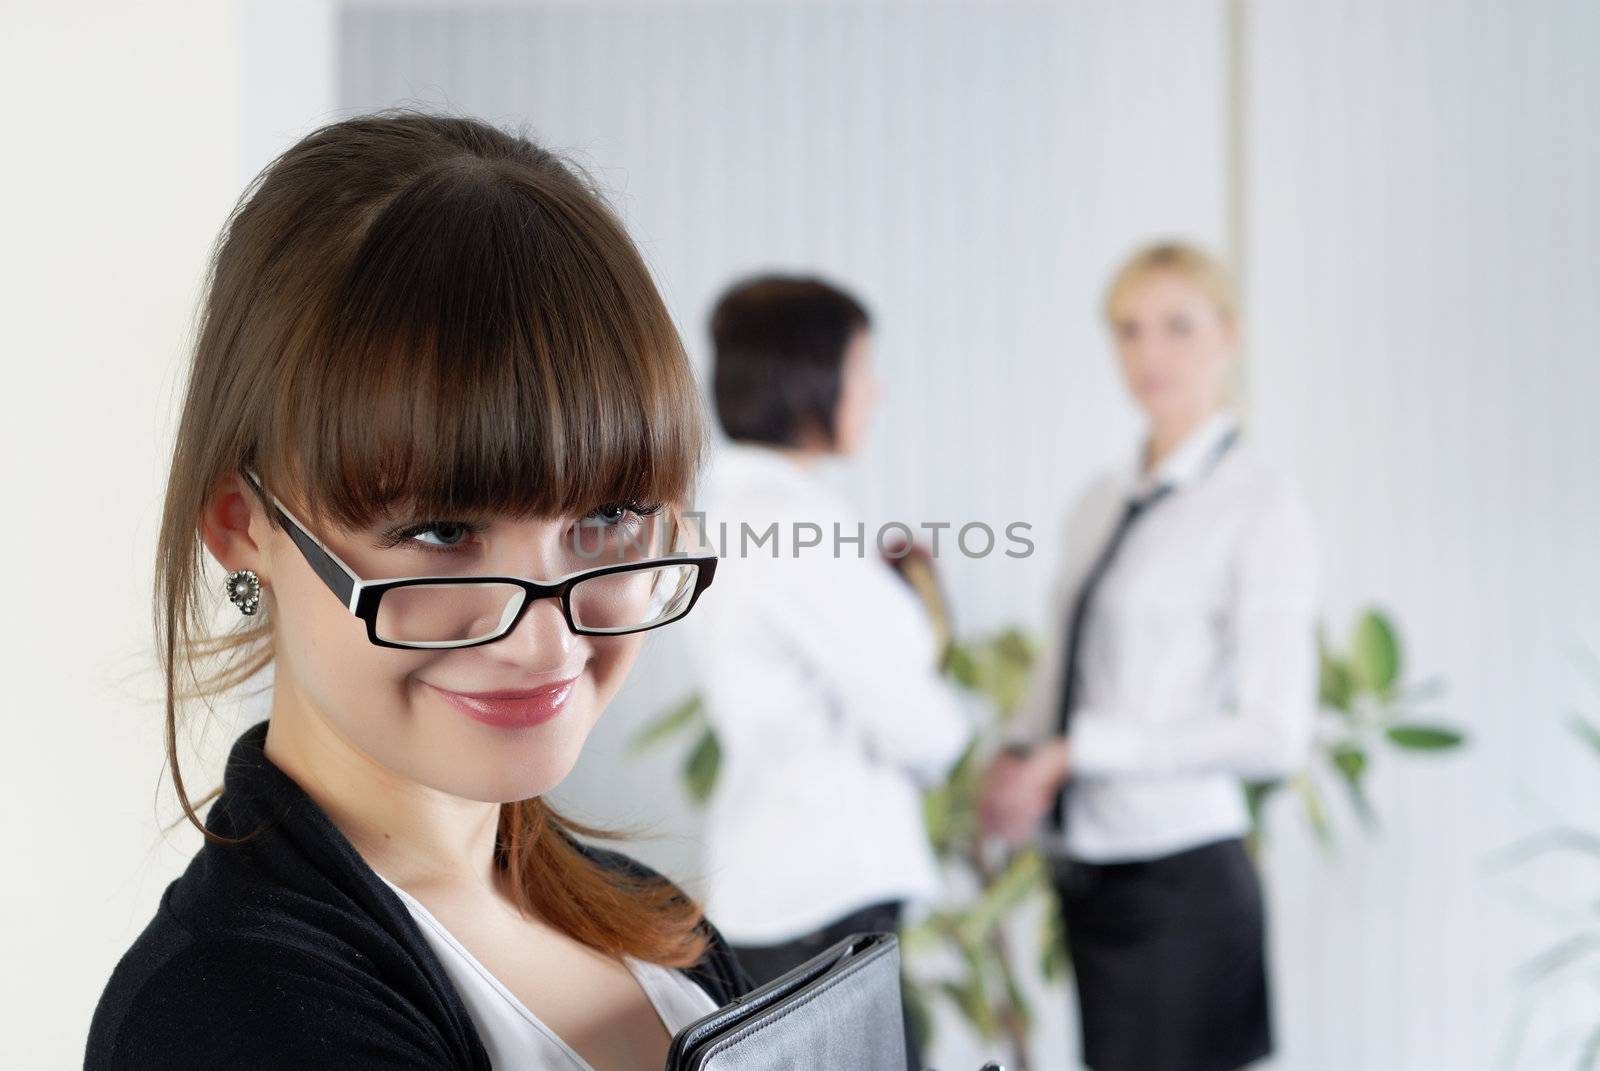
667,725
1015,648
1336,687
938,817
970,999
701,767
1255,798
1053,956
1423,737
1375,653
921,938
1015,997
1587,731
1315,813
962,664
1565,953
1020,880
1589,1057
975,1001
1351,762
996,668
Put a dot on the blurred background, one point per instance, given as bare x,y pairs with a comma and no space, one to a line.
1408,191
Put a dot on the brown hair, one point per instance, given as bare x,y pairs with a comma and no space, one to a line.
779,344
1182,258
427,308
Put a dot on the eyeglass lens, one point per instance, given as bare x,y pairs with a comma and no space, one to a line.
451,613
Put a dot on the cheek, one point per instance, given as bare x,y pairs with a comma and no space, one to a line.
613,658
1204,357
355,684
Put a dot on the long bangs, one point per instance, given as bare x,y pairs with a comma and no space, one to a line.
495,347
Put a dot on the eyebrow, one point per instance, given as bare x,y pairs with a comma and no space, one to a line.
389,517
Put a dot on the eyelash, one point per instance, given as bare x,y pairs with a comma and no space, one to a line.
637,510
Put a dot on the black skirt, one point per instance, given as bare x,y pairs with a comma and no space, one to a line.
1169,958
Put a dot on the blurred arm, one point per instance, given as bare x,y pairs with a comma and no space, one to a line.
857,624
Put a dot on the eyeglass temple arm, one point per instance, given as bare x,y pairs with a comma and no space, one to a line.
340,578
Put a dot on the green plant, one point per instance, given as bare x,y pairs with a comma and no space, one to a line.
1364,704
1578,950
985,986
703,761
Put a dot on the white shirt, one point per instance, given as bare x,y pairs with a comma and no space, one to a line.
511,1034
1198,665
818,673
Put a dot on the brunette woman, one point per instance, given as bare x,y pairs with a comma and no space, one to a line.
437,432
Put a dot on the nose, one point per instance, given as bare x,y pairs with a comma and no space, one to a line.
541,640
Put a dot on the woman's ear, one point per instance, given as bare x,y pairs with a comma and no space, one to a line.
233,524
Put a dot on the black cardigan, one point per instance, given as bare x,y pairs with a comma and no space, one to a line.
289,951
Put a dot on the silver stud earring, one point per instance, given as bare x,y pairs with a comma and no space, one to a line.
244,590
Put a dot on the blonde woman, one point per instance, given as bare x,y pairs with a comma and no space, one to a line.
436,430
1181,661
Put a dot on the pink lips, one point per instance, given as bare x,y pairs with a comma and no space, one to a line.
512,709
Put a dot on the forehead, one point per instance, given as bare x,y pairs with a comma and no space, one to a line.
1158,292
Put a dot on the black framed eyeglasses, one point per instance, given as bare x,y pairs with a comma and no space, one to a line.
468,611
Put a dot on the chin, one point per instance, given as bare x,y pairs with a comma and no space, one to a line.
508,774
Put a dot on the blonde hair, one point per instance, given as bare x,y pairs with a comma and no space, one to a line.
1192,262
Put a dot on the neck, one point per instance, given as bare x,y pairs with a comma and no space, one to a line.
805,457
411,834
1167,434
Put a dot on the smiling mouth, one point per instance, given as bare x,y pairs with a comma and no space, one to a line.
512,709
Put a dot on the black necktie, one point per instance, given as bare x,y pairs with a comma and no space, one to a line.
1132,510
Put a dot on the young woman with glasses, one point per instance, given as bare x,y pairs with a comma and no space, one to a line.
438,432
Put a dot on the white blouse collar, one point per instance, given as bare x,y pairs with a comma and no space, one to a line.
1186,461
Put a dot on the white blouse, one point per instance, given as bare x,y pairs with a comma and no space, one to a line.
818,668
1198,665
511,1034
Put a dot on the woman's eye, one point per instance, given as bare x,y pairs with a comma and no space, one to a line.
433,535
449,534
614,513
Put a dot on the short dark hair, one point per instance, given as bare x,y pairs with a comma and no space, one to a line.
778,350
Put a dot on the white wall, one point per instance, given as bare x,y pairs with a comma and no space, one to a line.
129,132
1424,285
120,134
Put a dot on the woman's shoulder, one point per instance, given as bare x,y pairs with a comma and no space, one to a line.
1261,481
208,994
273,952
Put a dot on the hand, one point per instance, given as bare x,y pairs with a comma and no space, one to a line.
1018,790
